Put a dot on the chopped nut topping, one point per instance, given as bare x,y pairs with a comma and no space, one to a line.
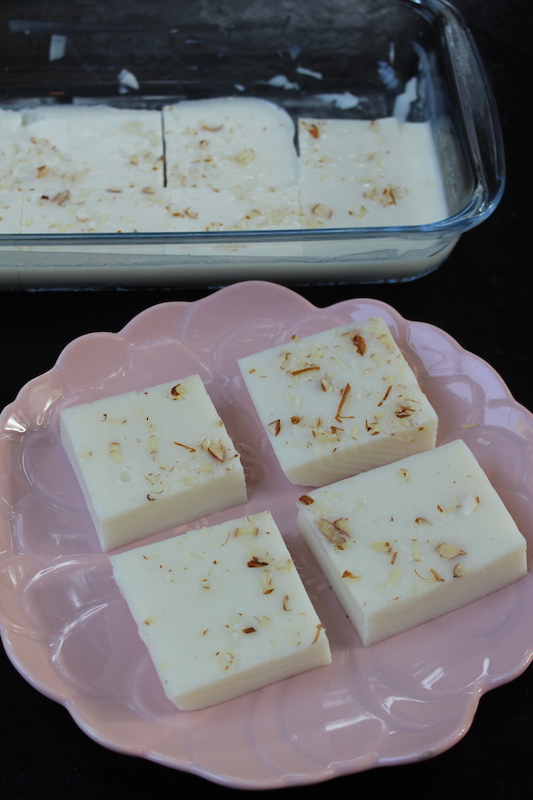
404,411
61,198
266,581
360,344
306,500
321,210
286,603
247,530
469,503
216,449
348,574
381,547
384,396
317,634
459,571
422,521
449,551
436,575
276,424
333,533
114,451
342,524
295,420
176,390
344,395
415,550
186,446
226,661
249,630
313,131
245,157
255,562
152,446
311,368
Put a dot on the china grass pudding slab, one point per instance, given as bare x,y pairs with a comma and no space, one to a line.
339,402
152,459
222,610
410,541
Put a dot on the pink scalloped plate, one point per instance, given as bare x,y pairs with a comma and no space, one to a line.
70,634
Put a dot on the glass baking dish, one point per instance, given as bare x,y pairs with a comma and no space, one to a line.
413,59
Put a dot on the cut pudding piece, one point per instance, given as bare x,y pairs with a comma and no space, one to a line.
228,142
410,541
152,459
339,402
222,610
89,147
359,173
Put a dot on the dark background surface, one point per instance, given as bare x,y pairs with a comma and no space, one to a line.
482,297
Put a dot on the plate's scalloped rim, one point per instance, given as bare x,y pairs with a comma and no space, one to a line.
20,642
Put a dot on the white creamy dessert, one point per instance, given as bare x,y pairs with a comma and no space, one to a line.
78,210
238,209
222,610
152,459
219,164
228,142
91,147
359,173
410,541
339,402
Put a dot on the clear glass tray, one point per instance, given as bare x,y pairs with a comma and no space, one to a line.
417,55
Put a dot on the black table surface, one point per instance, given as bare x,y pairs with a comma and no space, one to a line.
482,297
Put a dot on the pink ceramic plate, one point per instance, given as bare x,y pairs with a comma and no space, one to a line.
70,634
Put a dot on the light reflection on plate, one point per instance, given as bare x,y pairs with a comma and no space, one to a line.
69,633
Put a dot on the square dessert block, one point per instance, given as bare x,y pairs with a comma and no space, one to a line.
222,610
339,402
409,541
89,147
228,142
152,459
356,173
